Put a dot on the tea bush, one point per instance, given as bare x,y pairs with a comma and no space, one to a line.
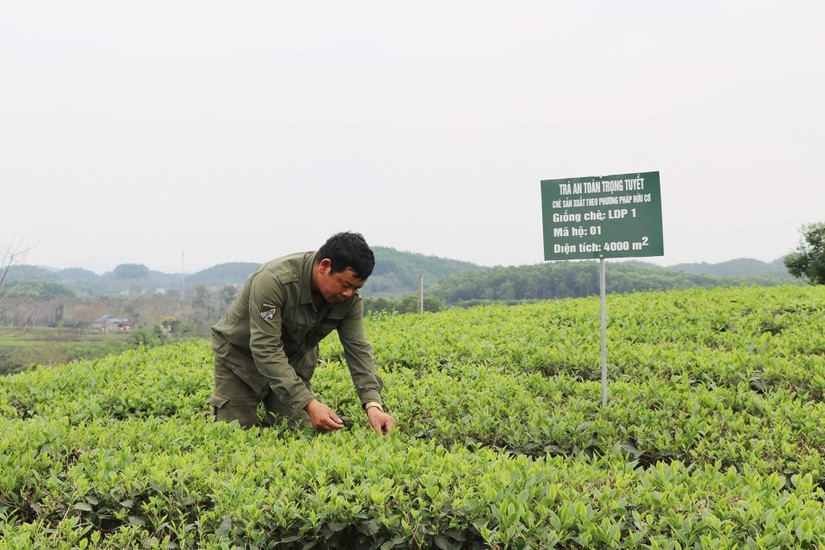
712,437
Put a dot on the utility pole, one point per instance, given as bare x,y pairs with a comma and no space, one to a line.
420,293
182,277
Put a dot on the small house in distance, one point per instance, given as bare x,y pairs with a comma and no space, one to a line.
110,323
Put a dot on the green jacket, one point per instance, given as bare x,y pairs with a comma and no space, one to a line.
273,319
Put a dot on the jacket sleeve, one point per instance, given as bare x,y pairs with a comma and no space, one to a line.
266,302
359,355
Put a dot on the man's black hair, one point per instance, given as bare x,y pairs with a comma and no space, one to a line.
348,250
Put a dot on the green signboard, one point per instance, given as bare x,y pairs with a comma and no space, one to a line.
617,216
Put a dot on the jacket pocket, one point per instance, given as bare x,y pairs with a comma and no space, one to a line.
217,401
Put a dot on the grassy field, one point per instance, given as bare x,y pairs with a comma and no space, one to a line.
24,347
713,437
28,336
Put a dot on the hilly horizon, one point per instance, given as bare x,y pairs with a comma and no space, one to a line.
396,273
736,267
80,273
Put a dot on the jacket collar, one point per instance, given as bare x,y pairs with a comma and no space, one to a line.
306,278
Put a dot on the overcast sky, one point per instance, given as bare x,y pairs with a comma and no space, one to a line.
181,135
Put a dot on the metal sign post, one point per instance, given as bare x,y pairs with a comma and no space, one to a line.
603,326
618,216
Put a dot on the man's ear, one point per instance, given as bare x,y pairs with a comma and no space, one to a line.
324,266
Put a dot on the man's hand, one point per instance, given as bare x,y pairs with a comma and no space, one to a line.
322,417
380,421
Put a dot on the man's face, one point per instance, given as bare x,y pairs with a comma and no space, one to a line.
337,287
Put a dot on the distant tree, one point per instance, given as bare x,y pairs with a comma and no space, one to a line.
38,290
228,295
407,304
377,305
433,304
507,291
77,274
131,271
145,338
9,254
6,261
808,262
30,273
584,282
402,304
203,302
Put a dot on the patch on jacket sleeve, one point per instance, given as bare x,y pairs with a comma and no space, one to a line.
268,311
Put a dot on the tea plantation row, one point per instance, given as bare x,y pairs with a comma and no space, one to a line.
713,437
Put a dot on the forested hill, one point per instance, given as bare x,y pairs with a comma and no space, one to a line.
233,273
576,279
740,267
396,272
